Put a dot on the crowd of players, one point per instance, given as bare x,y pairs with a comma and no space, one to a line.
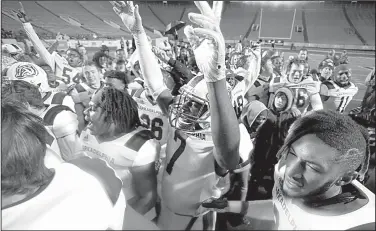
196,137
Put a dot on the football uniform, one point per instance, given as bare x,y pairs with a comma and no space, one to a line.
189,176
84,194
153,119
337,98
300,93
59,98
137,148
291,214
65,74
62,121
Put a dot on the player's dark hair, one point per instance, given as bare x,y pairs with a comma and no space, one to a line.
116,75
23,148
291,62
120,108
22,91
338,131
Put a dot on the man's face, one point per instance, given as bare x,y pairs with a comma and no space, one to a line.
115,83
268,66
277,63
302,55
296,73
74,58
343,78
103,61
95,115
91,74
310,168
326,72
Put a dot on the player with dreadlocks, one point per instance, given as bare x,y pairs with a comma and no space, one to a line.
114,134
315,178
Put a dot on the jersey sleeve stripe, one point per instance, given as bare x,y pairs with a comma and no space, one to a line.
137,140
52,113
103,173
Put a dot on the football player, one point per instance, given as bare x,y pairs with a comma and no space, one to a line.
295,91
87,191
82,92
59,119
336,94
64,70
36,75
325,68
116,79
114,134
203,143
260,88
315,179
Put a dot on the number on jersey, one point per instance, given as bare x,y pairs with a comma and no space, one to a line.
155,125
178,151
344,101
301,97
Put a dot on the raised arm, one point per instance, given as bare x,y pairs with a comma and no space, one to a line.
38,45
209,49
152,74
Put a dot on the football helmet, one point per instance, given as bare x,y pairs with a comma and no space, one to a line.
189,111
13,50
29,72
342,75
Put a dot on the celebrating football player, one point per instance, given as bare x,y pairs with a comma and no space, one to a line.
68,71
203,142
114,134
315,179
294,92
336,94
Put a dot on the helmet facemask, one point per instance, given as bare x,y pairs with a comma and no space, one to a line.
189,112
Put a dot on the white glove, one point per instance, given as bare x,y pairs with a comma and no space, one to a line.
130,16
207,42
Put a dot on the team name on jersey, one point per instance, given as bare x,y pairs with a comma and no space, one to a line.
98,153
141,107
280,198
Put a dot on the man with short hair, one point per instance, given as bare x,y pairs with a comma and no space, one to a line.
315,184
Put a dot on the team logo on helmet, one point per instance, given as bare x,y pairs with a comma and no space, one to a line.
24,71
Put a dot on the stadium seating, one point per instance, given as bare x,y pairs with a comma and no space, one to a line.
324,23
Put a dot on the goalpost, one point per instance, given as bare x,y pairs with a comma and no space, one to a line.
276,36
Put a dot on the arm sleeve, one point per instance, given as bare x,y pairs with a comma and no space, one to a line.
148,153
42,51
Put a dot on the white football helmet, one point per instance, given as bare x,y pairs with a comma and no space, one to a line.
29,72
190,110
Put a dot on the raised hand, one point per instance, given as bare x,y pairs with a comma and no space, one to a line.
207,42
129,14
21,14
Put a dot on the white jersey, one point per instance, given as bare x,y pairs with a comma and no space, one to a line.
290,214
82,195
65,74
190,176
137,148
337,97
